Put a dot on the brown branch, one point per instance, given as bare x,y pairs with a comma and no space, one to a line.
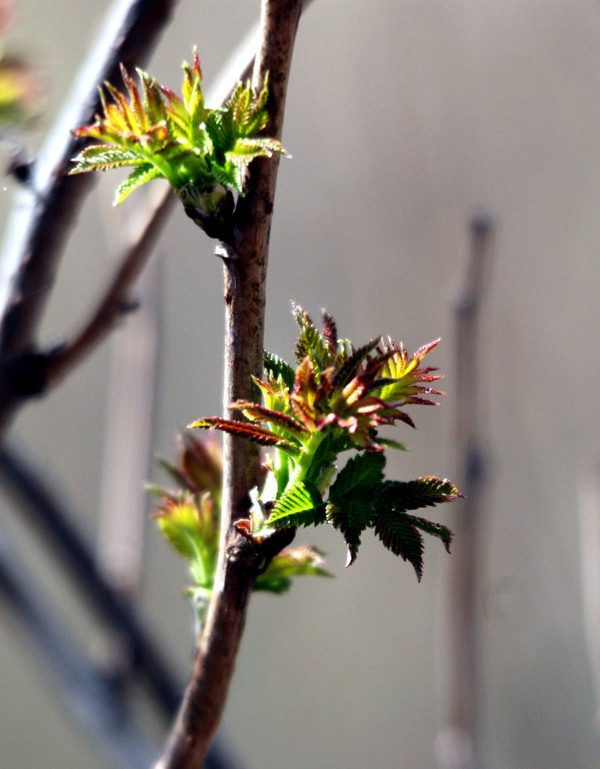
245,267
116,299
33,253
155,213
458,744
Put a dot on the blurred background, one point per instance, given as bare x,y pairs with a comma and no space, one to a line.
404,120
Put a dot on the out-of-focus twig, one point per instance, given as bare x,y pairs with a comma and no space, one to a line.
458,744
39,504
45,213
86,692
117,298
589,539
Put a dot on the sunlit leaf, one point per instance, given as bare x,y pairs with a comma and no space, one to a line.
301,505
291,562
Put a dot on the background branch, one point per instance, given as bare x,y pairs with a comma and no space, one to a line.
41,224
458,744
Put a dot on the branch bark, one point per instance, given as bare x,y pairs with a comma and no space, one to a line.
245,269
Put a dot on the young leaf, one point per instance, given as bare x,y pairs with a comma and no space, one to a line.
276,367
249,432
291,562
399,534
398,530
301,505
257,413
203,153
141,175
311,343
412,495
364,471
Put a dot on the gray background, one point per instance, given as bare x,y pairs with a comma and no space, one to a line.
403,118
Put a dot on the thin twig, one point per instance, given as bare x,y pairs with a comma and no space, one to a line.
39,505
40,226
116,299
245,277
87,692
589,549
458,744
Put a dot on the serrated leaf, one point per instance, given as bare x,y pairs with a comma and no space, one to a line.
330,332
196,149
311,342
349,507
399,534
351,515
434,529
364,470
398,530
277,367
250,432
141,175
104,157
244,150
302,505
412,495
351,366
257,413
290,563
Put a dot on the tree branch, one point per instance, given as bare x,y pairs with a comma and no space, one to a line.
116,299
245,268
153,217
459,743
32,254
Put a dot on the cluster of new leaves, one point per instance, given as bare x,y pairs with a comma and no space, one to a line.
202,152
189,518
338,398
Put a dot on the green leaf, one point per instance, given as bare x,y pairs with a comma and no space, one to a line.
195,148
390,444
104,157
322,467
412,495
364,470
181,529
291,562
399,534
398,530
302,505
278,368
311,342
138,177
349,507
351,515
